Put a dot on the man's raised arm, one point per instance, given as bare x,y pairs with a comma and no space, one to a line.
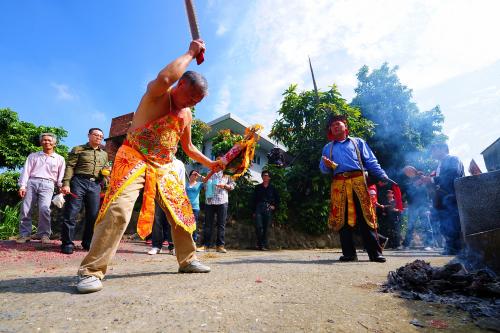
170,74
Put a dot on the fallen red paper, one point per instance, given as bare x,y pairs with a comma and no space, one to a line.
436,323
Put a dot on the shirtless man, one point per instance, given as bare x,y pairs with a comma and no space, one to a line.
162,120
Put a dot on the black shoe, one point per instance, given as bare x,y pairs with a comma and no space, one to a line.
86,247
67,249
348,258
378,259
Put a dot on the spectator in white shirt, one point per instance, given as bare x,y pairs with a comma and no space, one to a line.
216,203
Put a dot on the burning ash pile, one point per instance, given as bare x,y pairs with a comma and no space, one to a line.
477,292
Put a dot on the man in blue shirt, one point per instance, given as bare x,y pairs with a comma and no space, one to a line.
347,158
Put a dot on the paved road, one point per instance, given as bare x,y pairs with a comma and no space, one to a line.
247,291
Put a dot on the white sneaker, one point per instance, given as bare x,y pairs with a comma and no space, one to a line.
88,284
428,248
154,251
23,239
194,267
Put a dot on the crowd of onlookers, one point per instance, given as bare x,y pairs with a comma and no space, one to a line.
82,180
430,208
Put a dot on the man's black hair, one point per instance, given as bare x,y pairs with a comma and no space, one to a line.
95,129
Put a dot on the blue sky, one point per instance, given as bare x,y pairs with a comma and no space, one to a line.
78,64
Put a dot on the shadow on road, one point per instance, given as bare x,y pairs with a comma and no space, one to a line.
63,284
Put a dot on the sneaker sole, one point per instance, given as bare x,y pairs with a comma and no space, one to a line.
188,272
88,290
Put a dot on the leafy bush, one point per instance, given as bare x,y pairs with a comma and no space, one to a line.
9,225
240,199
8,188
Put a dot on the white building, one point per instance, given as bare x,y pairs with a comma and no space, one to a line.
236,125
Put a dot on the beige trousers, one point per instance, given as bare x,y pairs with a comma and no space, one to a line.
109,231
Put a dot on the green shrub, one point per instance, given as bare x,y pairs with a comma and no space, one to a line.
9,225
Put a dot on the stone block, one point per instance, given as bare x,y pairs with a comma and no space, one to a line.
483,247
478,199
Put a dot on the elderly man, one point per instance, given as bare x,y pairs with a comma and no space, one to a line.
81,181
42,170
347,158
144,161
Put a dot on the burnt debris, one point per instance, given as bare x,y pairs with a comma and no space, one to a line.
477,292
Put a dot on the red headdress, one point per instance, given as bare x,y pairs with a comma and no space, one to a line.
333,118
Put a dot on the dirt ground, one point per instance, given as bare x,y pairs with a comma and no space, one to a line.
247,291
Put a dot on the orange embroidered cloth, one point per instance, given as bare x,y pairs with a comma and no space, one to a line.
342,203
150,150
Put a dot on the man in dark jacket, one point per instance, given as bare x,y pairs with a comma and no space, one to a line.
449,169
81,181
266,201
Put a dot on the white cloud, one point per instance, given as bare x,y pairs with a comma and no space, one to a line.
431,42
221,30
63,92
98,116
224,100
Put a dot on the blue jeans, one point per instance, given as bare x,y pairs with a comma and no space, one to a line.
38,191
196,213
87,192
210,212
263,218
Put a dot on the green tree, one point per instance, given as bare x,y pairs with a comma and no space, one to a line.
19,138
402,132
301,127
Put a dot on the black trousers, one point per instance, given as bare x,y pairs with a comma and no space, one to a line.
210,212
263,219
161,229
87,193
369,235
